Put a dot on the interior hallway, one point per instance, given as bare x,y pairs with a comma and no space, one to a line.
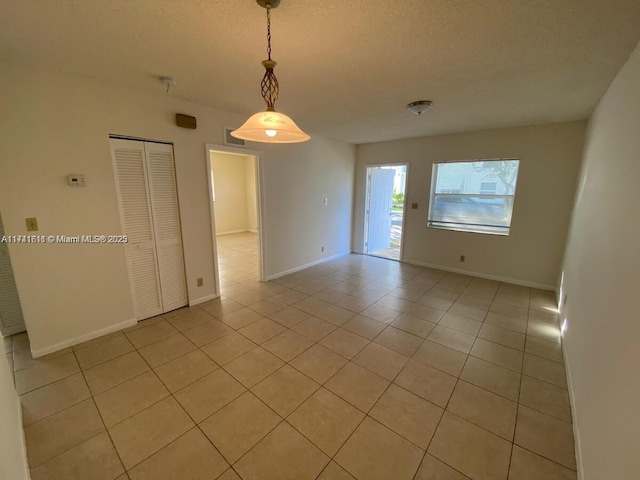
357,368
238,259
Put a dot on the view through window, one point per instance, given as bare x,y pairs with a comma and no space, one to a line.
474,196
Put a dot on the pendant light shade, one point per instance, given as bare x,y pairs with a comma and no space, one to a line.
270,126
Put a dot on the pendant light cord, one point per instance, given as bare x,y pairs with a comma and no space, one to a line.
269,31
269,85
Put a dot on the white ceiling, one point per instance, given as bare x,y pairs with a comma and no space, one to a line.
347,68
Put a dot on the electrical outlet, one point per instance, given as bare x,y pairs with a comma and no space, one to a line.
200,282
322,249
462,258
32,224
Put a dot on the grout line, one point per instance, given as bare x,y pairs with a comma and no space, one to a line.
515,426
261,438
365,278
444,410
106,430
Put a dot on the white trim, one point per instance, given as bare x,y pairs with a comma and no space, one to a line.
574,414
200,300
83,338
233,232
498,278
308,265
404,209
365,222
25,457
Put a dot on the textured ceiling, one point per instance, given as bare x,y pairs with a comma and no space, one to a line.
347,68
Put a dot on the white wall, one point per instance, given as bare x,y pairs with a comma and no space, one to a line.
230,178
13,459
297,178
58,124
602,282
532,253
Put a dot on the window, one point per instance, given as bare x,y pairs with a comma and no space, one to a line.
473,196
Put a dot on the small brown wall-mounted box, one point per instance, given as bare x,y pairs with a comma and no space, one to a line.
186,121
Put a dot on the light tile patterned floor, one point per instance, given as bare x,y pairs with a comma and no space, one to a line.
358,368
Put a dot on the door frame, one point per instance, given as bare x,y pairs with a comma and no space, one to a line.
367,192
260,207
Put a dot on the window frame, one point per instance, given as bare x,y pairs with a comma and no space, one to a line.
471,227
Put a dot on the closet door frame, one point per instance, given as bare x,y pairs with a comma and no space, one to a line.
128,249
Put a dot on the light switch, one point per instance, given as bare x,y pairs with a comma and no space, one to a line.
32,224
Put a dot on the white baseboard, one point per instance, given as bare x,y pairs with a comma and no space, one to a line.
200,300
25,458
302,267
574,416
498,278
253,230
231,232
83,338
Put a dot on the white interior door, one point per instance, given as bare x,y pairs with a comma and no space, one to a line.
166,224
135,211
380,202
11,319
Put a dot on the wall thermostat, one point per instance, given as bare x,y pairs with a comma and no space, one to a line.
76,180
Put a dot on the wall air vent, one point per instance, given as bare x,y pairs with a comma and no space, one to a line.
230,139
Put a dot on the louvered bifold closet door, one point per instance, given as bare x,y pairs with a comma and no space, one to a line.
135,212
11,319
166,224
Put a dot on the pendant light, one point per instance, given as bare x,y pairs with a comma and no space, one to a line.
270,126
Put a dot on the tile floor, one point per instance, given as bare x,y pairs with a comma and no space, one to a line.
358,368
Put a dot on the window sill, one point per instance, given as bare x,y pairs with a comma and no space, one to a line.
469,230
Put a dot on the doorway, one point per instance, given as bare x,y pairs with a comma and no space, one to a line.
384,210
234,199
